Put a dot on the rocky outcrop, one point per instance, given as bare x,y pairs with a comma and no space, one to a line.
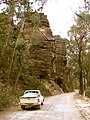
46,52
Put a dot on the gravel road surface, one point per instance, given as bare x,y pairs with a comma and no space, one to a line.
59,107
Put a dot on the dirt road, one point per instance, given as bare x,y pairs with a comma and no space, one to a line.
59,107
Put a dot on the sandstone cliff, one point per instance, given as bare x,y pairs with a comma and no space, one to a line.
46,58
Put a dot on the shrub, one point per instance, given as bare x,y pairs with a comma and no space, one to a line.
87,92
5,101
5,97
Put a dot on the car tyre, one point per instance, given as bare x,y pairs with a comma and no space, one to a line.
42,103
39,106
23,107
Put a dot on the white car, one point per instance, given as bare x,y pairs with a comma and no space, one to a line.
31,98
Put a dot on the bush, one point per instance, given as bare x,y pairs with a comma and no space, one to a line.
5,101
5,97
87,92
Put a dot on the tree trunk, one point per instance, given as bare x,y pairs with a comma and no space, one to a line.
81,82
88,79
80,67
11,64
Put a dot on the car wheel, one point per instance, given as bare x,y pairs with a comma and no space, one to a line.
23,107
42,103
39,106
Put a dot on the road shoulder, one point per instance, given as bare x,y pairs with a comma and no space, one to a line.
83,104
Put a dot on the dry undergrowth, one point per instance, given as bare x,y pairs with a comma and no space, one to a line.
78,96
81,97
8,111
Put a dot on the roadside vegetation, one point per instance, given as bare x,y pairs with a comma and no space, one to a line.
87,92
79,49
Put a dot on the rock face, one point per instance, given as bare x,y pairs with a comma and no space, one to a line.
46,56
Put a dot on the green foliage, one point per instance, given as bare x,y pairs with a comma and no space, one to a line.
35,18
5,97
21,44
1,43
78,47
87,92
2,29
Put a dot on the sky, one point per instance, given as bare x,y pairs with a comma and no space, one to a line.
60,14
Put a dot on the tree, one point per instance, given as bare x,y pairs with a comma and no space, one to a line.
21,10
79,39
